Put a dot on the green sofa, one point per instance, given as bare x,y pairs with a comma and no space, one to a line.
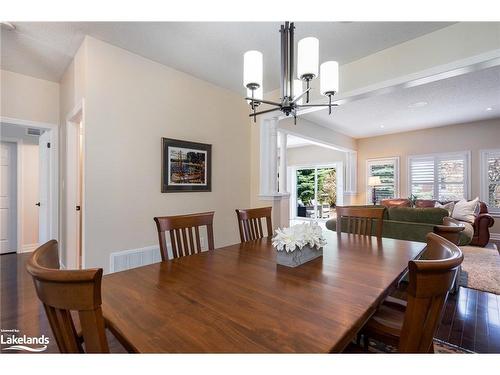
412,224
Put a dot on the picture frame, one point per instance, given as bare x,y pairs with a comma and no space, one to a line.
186,166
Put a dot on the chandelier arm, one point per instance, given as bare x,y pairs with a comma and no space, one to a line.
264,101
317,105
301,95
262,112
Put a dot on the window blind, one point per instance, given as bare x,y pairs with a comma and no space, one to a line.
442,177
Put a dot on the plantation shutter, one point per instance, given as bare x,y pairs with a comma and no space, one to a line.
422,177
442,177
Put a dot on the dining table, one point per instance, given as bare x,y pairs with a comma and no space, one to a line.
237,299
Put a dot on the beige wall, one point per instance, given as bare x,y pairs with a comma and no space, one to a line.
29,181
29,98
464,137
132,102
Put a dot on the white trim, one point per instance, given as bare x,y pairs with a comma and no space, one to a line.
19,176
29,248
495,236
316,141
467,169
483,177
397,180
54,167
73,120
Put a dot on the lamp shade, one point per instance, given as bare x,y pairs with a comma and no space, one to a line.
297,90
257,94
374,181
252,69
308,57
329,74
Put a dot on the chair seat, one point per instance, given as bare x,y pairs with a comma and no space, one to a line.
385,325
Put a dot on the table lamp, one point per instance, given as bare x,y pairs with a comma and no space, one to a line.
374,181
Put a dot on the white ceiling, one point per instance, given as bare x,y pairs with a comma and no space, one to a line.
212,51
449,101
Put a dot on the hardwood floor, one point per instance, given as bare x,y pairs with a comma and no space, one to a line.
471,319
20,308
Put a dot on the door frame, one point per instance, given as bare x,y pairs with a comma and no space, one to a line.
53,205
292,188
74,119
19,197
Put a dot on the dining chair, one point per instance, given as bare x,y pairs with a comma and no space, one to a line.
360,220
66,291
181,228
411,328
250,223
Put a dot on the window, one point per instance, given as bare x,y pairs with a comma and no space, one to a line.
443,177
490,179
388,171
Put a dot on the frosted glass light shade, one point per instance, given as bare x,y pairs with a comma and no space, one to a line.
252,68
297,90
308,57
257,94
329,74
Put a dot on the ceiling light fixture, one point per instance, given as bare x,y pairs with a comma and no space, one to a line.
382,126
292,92
489,109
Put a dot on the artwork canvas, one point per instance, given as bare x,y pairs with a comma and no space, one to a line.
186,166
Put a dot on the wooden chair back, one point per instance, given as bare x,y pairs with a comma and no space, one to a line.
360,220
183,240
63,291
431,277
250,223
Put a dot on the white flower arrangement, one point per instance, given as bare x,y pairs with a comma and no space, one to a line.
298,236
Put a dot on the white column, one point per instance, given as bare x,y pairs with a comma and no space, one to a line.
283,163
268,157
351,170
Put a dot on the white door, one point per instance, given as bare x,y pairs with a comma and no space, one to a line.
8,197
44,188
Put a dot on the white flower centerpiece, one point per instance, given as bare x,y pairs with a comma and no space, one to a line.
298,244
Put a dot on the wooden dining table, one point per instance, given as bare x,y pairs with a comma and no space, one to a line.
236,299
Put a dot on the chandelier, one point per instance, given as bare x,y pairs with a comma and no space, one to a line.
292,92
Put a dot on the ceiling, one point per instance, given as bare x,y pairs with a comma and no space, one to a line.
212,51
460,99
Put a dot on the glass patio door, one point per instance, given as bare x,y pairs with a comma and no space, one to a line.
316,192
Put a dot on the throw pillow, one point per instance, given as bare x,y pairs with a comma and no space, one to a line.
465,211
448,206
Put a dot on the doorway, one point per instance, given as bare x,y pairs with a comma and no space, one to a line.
29,194
8,197
315,191
75,192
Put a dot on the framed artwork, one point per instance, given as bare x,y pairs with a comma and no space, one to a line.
186,166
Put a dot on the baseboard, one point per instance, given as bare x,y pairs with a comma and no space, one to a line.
29,248
132,258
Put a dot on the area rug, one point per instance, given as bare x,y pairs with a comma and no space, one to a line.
440,347
481,268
